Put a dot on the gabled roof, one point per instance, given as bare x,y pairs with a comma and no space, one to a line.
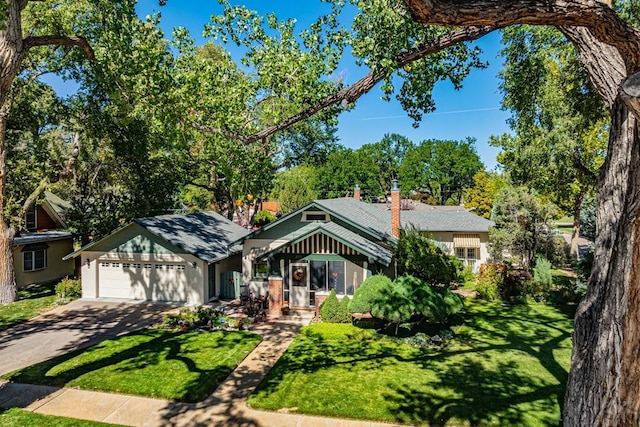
56,208
360,215
206,235
337,232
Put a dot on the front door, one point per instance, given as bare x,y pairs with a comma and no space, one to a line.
299,277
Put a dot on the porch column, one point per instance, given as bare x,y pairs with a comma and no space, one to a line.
275,297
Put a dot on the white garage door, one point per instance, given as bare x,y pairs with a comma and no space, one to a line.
155,282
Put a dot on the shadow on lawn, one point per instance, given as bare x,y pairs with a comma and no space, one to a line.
160,346
479,389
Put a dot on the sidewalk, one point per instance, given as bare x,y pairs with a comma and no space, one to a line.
225,407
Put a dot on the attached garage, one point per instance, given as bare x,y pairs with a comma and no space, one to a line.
173,258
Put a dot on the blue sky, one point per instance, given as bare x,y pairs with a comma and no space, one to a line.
473,111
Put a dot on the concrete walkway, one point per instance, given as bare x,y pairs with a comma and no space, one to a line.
226,406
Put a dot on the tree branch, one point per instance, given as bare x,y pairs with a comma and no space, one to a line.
54,40
368,82
599,18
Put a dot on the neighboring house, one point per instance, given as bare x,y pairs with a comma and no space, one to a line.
38,250
338,243
176,258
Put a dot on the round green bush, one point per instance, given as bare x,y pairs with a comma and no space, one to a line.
434,304
370,291
69,289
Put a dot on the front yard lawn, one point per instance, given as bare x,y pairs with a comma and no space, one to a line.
30,302
184,366
507,366
15,417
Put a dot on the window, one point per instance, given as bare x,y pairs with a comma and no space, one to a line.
126,265
137,265
147,266
180,267
30,220
315,216
35,259
158,266
327,275
468,255
260,269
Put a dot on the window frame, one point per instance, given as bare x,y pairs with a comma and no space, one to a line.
33,261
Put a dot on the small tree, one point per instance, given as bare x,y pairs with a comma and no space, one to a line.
394,305
344,314
418,256
330,308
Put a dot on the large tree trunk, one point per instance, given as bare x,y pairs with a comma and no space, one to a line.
7,276
604,382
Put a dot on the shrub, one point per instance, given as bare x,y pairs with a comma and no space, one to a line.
330,309
345,315
68,289
490,278
434,304
585,264
263,217
542,272
368,292
394,306
421,257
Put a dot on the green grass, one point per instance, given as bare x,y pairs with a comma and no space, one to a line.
507,366
30,302
15,417
154,363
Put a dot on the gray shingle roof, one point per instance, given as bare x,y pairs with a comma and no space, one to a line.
40,237
363,214
446,220
379,220
206,235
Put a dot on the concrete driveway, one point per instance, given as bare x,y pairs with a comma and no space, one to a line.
80,323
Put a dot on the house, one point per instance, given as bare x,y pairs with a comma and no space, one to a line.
338,243
177,258
39,248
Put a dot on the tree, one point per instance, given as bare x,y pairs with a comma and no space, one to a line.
606,323
419,256
442,169
558,118
294,188
343,169
388,155
480,197
522,224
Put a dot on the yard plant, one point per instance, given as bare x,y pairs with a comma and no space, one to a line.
184,366
507,365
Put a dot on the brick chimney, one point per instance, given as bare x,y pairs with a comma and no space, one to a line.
395,209
356,192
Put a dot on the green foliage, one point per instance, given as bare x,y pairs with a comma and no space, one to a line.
523,220
480,196
330,310
370,291
442,168
343,169
588,218
294,188
434,304
585,264
542,272
197,318
263,218
419,256
395,305
490,279
345,315
68,289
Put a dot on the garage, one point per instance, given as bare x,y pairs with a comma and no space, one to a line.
143,281
166,258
